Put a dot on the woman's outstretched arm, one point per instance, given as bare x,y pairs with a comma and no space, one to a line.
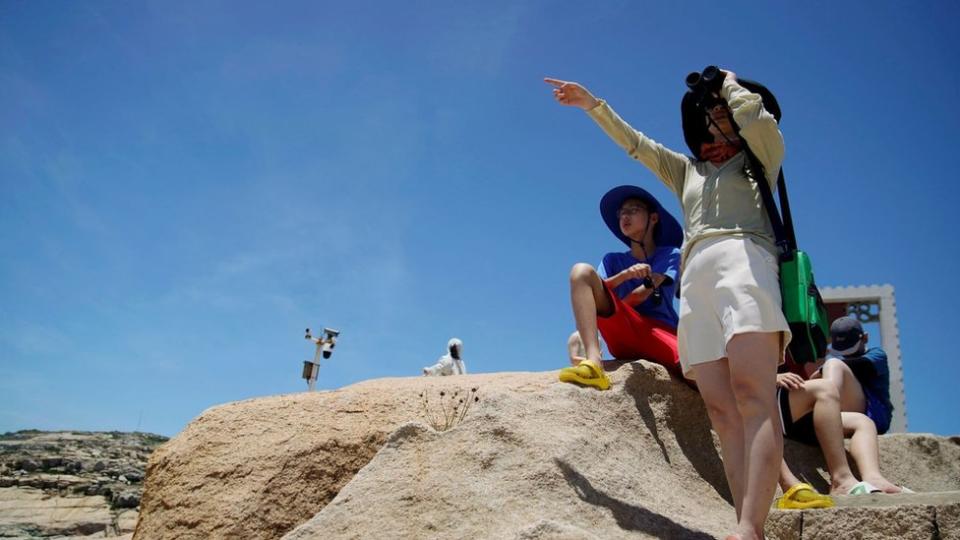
667,165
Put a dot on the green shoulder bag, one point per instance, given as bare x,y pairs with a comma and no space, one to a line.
802,304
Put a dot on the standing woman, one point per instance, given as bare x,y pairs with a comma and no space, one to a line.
732,333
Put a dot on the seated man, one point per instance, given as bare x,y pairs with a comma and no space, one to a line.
860,374
848,396
629,297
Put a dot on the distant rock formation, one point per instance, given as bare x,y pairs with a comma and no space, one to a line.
71,483
531,458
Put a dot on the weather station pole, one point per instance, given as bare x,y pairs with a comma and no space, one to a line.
325,345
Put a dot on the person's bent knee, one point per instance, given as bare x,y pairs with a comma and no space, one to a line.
833,365
582,272
868,426
859,422
822,390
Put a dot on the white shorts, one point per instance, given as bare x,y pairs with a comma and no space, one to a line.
730,286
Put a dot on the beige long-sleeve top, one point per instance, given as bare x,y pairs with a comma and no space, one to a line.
715,200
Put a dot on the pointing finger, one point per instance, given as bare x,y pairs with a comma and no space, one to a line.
555,82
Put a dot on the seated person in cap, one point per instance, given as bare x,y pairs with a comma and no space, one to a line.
629,296
847,397
860,374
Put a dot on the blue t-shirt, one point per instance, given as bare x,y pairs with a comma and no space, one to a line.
664,260
871,369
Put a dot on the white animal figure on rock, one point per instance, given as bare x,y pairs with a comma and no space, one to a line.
450,363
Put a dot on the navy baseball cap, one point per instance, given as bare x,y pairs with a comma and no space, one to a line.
846,334
668,231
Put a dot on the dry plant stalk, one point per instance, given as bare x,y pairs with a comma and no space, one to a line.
449,409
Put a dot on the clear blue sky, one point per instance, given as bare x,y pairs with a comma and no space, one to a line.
185,186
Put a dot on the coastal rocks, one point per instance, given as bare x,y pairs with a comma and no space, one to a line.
69,483
30,512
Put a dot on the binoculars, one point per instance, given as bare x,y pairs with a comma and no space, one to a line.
657,296
704,85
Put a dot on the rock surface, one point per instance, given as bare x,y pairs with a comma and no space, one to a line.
74,484
921,516
531,458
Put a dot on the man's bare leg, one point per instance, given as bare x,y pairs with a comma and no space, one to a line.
865,449
852,398
787,478
822,397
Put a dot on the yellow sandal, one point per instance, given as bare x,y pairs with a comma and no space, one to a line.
802,497
586,373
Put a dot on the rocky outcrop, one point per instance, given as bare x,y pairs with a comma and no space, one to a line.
257,468
505,455
71,483
927,516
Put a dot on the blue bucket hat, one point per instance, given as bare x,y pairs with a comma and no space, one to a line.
668,231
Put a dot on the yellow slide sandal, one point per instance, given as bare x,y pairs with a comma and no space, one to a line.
586,373
803,497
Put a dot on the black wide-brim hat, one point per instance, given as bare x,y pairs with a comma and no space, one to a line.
695,130
669,233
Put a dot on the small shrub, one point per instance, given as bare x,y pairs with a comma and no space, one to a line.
449,408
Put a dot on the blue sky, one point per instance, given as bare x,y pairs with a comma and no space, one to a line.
185,186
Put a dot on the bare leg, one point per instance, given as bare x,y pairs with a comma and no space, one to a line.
822,397
713,379
865,449
851,393
753,375
787,478
589,299
575,349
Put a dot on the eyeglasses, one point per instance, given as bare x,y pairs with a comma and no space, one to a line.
629,211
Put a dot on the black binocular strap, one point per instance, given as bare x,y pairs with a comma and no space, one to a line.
782,229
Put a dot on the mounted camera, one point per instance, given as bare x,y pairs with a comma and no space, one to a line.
325,345
327,342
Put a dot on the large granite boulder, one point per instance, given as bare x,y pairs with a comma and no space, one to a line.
521,456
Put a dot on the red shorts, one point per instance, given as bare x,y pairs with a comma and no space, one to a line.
630,335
